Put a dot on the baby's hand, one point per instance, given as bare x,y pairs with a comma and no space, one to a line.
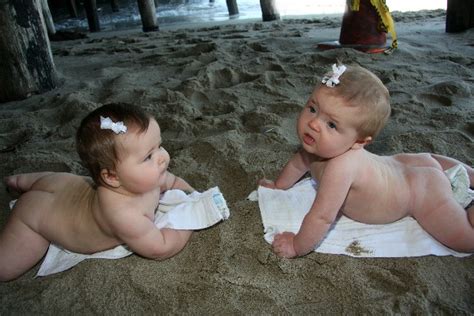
283,245
267,183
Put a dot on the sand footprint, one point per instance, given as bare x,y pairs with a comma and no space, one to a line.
256,122
227,77
434,99
457,88
194,50
390,281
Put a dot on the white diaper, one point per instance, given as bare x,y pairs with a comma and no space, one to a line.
460,185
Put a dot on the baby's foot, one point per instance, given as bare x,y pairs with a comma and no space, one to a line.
12,185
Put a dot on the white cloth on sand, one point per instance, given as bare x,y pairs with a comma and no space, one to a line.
284,210
177,210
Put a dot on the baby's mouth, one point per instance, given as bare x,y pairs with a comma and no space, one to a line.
308,140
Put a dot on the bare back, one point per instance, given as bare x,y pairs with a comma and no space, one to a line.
66,215
381,190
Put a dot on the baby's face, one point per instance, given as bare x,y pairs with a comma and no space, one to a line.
143,161
326,125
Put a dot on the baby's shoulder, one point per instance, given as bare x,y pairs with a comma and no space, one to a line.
351,158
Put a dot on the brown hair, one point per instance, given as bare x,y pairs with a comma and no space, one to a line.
97,147
361,88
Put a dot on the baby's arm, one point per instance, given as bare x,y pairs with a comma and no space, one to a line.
295,168
333,189
141,235
175,182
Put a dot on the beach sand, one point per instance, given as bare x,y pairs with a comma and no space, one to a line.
227,97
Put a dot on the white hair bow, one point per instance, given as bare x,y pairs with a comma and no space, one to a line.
107,123
331,79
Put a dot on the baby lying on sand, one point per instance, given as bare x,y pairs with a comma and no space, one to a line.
121,147
342,115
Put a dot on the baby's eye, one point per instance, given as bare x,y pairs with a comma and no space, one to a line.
312,109
332,125
148,157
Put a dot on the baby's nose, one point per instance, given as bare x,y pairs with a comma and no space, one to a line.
161,160
314,124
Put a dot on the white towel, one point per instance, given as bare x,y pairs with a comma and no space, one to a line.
177,210
284,210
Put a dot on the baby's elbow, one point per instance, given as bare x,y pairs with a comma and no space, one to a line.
160,253
165,252
6,276
163,256
172,243
326,220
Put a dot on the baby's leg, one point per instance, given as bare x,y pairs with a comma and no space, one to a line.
23,182
440,214
21,246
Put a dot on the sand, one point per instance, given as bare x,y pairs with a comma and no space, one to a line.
227,97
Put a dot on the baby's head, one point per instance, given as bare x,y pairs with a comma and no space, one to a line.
361,89
97,144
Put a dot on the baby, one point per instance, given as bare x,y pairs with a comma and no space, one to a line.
342,116
121,147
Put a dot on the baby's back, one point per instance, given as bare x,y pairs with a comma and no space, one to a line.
380,192
69,219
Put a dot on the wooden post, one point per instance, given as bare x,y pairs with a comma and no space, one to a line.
148,15
269,10
232,7
72,8
48,19
26,63
92,16
115,5
459,15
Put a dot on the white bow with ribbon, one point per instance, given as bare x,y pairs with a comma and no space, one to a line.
116,127
331,79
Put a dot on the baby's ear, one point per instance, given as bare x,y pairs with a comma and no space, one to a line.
362,142
110,178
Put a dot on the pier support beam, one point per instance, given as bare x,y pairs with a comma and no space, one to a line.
26,66
232,7
148,15
92,17
269,10
459,15
48,19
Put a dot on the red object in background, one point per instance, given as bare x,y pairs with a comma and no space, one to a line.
360,30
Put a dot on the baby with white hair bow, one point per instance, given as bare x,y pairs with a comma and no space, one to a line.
121,146
344,114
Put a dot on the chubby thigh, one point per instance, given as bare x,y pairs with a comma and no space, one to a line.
436,210
21,244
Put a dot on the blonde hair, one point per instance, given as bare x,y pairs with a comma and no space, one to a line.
362,89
